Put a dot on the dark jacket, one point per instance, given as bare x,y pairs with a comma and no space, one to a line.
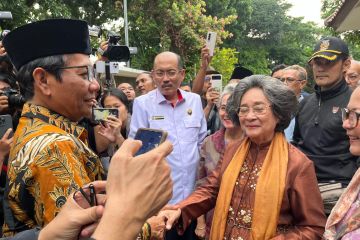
319,133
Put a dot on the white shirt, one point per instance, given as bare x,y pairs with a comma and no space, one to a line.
186,127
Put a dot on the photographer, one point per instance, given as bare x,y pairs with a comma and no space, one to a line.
6,107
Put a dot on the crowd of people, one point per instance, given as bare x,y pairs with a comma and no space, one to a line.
259,159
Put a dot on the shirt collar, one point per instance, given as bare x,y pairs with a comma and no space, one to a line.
161,99
32,111
300,98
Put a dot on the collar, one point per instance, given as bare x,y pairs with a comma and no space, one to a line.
161,99
300,98
338,89
33,111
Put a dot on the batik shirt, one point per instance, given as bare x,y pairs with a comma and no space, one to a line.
49,160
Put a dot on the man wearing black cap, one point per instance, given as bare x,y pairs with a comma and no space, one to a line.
49,158
318,129
239,73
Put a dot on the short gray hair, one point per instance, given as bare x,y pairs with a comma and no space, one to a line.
302,74
228,90
282,99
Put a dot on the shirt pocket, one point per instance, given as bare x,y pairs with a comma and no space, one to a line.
159,124
191,130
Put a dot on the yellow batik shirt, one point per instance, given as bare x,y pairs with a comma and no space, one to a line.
49,160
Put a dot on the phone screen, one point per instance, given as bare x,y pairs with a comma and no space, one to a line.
150,138
100,114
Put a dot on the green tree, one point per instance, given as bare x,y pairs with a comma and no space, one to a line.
264,35
329,7
224,61
352,37
93,11
178,26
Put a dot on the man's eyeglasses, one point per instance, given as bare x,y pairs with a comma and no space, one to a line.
351,116
259,109
207,78
289,80
352,77
170,73
89,74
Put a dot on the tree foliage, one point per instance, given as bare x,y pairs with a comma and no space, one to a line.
259,33
95,12
329,7
351,37
168,25
224,61
264,35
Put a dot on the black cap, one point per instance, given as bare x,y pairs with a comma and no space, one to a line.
240,73
47,38
330,48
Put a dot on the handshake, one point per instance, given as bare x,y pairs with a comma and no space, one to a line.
136,189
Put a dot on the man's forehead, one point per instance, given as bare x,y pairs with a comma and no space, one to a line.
3,84
354,66
125,85
166,60
142,76
287,72
78,59
278,73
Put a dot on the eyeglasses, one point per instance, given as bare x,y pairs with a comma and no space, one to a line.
170,73
259,109
289,80
207,78
88,75
351,116
353,77
222,108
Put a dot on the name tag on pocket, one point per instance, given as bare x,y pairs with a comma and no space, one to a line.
157,118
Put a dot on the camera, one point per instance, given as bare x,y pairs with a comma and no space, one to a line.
115,51
15,100
4,16
95,31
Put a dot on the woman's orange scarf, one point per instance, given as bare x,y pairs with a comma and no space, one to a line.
268,194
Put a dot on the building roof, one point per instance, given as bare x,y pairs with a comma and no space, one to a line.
346,16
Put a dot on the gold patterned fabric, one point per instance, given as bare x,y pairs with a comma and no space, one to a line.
262,219
49,160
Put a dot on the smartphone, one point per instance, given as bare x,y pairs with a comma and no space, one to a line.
5,124
210,42
150,138
216,82
100,114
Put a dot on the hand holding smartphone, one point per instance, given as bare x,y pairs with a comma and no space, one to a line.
5,124
150,138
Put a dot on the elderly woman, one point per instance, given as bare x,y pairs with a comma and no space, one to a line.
263,188
344,220
211,150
